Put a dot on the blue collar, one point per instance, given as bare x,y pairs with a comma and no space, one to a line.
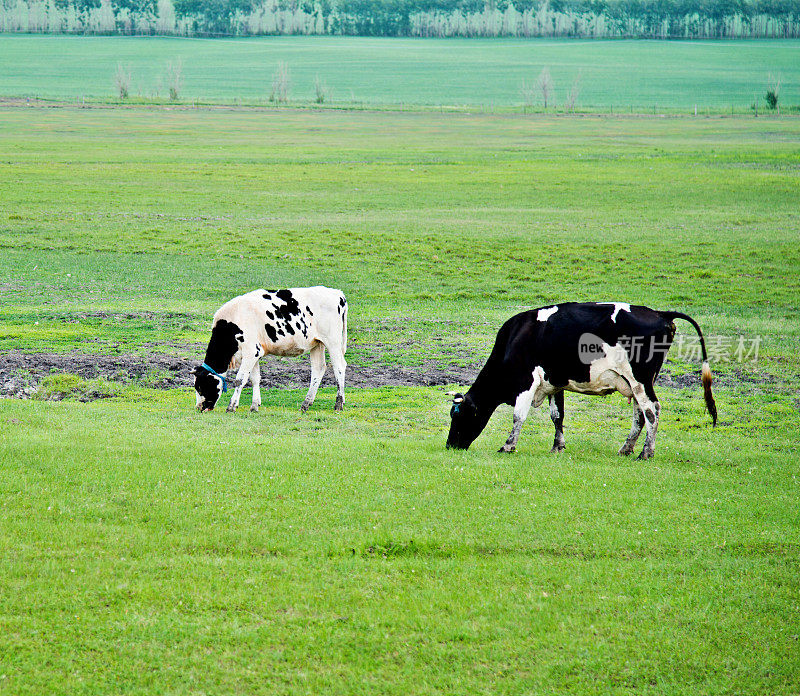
214,372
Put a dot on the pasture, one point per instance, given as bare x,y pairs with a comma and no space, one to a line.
483,74
146,548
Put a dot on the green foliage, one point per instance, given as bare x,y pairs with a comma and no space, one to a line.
320,90
122,80
772,99
281,84
772,92
174,77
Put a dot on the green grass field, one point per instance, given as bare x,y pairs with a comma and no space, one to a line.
146,548
621,75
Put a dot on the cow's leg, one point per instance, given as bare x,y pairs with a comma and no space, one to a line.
636,428
255,382
249,361
647,402
521,408
557,416
318,366
339,367
651,424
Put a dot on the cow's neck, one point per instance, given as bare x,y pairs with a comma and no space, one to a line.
222,346
485,393
216,361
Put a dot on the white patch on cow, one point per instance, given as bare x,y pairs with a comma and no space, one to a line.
539,390
525,399
545,314
613,372
617,307
607,374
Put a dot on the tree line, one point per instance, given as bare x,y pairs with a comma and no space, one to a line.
689,19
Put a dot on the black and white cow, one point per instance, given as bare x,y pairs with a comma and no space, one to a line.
282,322
589,348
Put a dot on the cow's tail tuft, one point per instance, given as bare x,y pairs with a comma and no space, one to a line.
706,376
707,380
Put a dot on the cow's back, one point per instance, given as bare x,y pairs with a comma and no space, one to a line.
327,308
551,337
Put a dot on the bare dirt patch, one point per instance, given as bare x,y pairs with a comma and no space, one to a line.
20,373
667,379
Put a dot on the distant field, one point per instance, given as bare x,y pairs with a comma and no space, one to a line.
425,215
149,549
619,75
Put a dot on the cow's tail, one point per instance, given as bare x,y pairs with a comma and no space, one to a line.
707,377
344,327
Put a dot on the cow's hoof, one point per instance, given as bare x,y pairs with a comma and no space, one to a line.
254,408
557,450
644,455
304,407
625,451
339,404
507,450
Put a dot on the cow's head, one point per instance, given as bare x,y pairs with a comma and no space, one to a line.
209,388
466,423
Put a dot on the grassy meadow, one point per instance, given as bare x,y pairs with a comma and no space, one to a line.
146,548
485,74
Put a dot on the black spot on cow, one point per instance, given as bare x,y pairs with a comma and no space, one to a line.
271,332
342,302
290,308
224,344
309,312
289,328
281,332
225,338
270,315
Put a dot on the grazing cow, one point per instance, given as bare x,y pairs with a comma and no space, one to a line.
589,348
282,322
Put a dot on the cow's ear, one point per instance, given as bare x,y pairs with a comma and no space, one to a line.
458,398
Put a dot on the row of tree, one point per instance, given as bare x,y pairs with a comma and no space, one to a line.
690,19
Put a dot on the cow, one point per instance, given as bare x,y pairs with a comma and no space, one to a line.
273,322
588,348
